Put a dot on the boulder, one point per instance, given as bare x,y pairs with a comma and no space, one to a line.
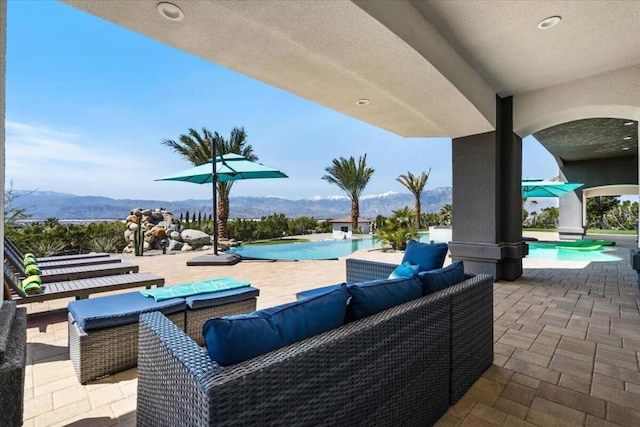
174,245
186,247
195,237
175,236
146,212
133,226
128,235
157,216
158,232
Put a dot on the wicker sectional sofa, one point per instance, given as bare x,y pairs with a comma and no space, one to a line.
402,366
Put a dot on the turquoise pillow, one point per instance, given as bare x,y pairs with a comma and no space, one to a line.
406,269
372,297
436,280
233,339
428,256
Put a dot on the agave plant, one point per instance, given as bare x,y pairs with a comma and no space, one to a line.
47,248
104,244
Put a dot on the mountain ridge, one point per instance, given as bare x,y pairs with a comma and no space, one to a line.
64,206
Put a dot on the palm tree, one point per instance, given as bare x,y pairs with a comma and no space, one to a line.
237,143
352,178
415,184
196,148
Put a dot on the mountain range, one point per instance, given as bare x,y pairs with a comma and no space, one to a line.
47,204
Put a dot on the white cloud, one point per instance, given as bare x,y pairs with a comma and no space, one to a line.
51,159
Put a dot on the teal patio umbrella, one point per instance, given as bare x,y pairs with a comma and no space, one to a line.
540,188
227,167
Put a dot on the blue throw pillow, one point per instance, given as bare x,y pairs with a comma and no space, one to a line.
233,339
436,280
372,297
428,256
406,269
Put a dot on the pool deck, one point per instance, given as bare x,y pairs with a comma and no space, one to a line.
567,344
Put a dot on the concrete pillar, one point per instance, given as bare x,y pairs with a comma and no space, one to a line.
487,199
571,220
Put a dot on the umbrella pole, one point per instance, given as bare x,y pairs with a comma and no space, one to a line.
214,181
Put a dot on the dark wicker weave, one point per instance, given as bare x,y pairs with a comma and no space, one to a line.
196,318
102,352
471,332
471,327
388,369
359,270
13,352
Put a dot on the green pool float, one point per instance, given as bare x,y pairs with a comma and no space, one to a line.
582,245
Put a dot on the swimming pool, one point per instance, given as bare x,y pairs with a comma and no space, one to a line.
333,249
324,249
549,252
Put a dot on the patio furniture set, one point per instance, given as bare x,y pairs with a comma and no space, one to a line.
381,363
394,344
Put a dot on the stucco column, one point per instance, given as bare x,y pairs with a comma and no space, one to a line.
571,221
487,199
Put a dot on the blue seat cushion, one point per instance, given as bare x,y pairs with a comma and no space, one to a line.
436,280
406,269
428,256
233,339
372,297
121,309
214,299
317,291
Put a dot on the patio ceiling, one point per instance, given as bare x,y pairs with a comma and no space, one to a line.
428,68
591,139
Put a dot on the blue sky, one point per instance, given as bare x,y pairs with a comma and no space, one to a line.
88,104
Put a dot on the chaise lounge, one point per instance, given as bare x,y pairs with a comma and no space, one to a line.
79,289
402,366
73,272
60,260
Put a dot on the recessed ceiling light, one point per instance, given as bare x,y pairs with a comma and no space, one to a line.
170,11
625,148
628,123
363,101
626,138
549,22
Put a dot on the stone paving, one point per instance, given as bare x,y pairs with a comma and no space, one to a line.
567,346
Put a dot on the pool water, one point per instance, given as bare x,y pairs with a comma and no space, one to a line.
548,252
325,249
333,249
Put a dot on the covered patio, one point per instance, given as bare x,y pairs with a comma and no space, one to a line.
485,74
567,341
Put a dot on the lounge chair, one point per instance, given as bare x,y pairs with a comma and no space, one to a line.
62,261
72,272
79,289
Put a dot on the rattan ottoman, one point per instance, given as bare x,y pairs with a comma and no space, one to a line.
103,332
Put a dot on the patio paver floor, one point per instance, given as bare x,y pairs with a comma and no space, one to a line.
567,346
